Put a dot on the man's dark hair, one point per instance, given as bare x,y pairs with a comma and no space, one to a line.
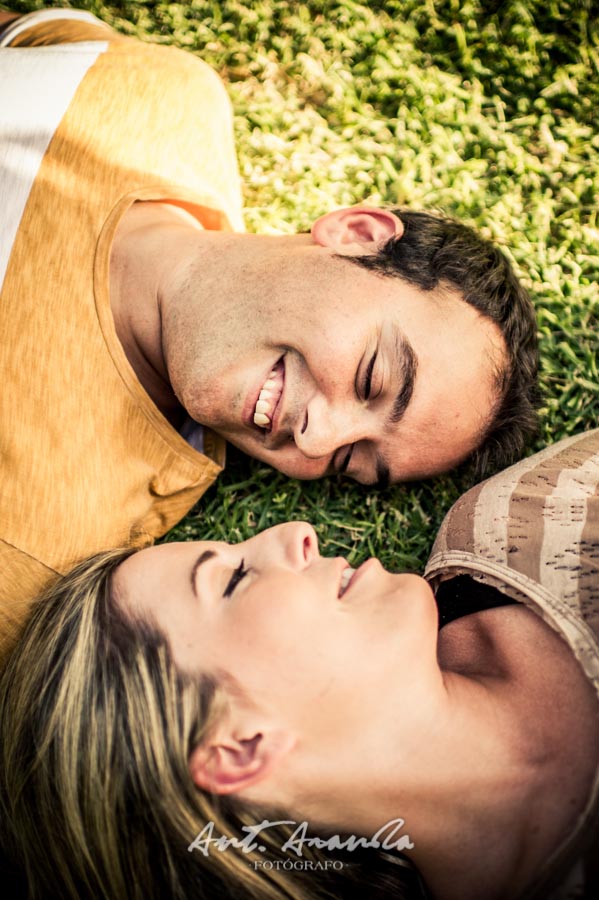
438,251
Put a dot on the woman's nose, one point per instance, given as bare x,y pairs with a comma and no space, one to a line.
294,544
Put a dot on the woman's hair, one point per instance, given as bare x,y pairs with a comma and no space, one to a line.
96,799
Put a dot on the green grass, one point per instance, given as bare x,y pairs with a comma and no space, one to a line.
485,110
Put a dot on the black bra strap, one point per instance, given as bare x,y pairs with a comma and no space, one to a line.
462,596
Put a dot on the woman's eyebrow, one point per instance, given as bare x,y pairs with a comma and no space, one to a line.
202,558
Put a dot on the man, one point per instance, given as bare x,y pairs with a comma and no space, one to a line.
141,328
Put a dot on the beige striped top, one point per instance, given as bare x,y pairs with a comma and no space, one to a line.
532,531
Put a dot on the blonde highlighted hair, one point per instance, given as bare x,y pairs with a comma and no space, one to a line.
96,799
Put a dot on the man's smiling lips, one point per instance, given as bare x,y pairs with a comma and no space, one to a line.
262,410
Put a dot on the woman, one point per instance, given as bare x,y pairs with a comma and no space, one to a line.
187,684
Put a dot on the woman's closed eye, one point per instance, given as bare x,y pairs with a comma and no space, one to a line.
238,575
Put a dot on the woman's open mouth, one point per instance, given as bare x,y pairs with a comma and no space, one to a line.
269,396
346,577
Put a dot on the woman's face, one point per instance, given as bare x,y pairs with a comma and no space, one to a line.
285,623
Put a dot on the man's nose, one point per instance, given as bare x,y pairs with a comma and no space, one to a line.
326,427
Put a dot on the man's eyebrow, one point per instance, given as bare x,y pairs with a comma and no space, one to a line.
408,366
407,363
202,558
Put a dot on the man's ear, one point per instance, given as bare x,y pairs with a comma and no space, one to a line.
228,763
356,230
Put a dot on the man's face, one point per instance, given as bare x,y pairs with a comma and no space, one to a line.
317,366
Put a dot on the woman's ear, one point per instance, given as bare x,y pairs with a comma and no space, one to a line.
356,230
228,763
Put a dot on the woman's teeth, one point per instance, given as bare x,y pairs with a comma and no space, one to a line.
269,397
345,579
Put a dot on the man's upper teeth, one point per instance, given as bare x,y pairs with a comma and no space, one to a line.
267,401
345,579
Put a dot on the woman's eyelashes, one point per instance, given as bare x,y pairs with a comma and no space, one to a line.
238,575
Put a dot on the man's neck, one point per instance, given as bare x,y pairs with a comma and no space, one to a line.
147,241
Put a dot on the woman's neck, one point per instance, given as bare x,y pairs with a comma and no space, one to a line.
493,782
475,788
463,790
